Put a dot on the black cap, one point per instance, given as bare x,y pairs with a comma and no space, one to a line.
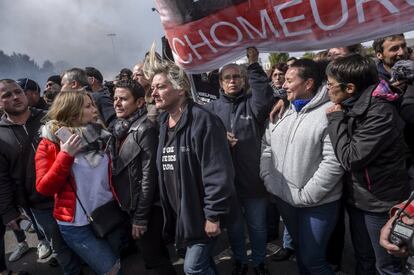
93,72
28,84
55,79
126,72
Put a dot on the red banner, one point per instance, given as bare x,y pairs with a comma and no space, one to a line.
206,34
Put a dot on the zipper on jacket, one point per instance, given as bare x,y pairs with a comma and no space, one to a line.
369,184
31,141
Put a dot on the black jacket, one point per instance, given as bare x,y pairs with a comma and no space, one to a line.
369,143
245,116
17,167
406,109
205,175
134,176
105,105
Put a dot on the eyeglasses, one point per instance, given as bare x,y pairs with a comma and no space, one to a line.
229,77
333,85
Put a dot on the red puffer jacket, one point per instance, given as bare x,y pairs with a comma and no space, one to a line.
53,176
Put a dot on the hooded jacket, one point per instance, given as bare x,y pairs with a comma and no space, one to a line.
369,143
18,144
298,163
205,175
244,115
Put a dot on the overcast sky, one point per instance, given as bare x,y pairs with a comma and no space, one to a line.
77,31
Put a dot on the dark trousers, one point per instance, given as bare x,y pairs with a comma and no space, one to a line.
154,250
370,256
272,220
2,248
337,241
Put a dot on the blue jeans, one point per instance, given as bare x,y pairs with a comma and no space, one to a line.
199,259
370,256
68,260
310,229
253,212
97,253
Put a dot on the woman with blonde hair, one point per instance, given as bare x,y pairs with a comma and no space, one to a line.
195,170
73,166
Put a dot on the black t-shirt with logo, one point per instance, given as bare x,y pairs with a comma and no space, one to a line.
169,167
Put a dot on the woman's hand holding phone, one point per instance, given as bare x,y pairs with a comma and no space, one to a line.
72,146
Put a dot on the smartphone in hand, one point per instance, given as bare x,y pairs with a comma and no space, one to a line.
63,134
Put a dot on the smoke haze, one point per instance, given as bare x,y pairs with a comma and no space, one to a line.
76,31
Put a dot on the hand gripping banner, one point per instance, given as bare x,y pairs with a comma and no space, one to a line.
205,34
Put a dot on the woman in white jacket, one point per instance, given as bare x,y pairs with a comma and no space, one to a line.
299,167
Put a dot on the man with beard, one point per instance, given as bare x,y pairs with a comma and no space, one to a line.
19,137
389,50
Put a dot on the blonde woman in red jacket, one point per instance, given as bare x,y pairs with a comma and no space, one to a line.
78,164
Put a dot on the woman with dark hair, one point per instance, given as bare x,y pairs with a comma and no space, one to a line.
277,78
135,177
300,170
367,136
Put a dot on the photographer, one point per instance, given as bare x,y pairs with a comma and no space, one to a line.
406,218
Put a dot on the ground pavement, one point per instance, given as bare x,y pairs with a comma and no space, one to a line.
134,264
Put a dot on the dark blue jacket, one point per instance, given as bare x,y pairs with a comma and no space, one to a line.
245,116
205,175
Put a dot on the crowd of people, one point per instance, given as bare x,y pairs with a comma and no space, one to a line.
98,167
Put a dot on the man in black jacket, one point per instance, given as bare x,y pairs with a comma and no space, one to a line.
101,96
19,137
244,115
391,50
194,164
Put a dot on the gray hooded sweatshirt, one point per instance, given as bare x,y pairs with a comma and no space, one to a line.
298,163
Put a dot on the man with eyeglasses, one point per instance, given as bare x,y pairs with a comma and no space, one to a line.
244,115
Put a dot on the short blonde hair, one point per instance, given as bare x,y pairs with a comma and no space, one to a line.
153,65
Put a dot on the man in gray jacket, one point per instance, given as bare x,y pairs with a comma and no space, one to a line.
299,167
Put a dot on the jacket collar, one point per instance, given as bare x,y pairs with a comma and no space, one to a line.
363,102
33,113
138,122
185,116
233,99
319,98
382,72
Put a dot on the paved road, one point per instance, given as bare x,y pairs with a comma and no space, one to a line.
134,264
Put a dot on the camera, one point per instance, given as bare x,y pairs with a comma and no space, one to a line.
403,235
